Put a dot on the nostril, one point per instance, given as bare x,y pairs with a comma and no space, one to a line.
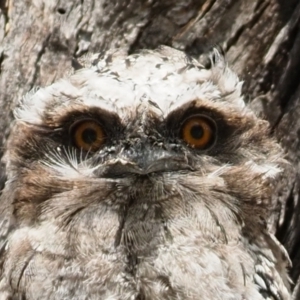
61,10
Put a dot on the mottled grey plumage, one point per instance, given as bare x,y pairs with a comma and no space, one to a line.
145,214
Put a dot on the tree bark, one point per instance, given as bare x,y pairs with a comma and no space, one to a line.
261,39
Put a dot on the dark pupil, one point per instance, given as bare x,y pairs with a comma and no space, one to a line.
89,136
197,132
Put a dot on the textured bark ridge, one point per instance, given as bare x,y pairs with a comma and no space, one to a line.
261,39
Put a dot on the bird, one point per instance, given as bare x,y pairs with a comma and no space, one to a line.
141,176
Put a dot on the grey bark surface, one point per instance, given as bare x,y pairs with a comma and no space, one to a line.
261,39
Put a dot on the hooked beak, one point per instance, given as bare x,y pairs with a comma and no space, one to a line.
145,163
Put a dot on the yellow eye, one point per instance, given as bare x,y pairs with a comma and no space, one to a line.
199,132
88,135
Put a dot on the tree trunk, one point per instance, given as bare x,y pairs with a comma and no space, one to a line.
261,39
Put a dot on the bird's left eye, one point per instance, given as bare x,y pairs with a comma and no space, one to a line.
88,135
199,132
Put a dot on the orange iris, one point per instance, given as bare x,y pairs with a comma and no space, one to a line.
88,135
198,132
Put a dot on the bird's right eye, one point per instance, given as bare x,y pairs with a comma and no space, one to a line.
88,135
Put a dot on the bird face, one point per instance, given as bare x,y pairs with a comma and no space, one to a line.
140,177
